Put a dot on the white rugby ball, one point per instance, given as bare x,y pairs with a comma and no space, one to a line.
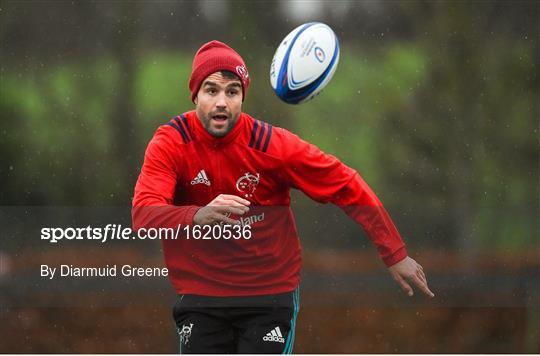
304,62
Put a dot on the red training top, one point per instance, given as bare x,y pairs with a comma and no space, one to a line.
185,168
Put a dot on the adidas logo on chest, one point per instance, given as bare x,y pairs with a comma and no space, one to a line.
201,178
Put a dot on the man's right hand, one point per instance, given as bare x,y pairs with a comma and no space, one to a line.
215,212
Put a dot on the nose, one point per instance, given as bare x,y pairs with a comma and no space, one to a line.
221,102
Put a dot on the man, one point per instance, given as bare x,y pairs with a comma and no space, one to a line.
218,167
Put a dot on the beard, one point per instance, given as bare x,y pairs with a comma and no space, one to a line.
212,127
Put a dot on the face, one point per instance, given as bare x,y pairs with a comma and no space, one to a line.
219,103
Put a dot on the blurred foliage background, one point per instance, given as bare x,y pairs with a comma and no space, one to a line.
436,104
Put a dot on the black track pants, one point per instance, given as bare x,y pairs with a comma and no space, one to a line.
259,324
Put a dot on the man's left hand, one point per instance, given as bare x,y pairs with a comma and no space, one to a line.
408,270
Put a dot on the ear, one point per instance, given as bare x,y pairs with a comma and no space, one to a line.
196,99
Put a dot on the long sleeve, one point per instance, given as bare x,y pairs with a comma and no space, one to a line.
327,180
155,188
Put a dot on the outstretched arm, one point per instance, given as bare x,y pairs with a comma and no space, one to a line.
327,180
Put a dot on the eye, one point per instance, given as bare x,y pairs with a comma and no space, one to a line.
233,92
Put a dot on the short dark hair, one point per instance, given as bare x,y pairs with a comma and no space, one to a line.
227,74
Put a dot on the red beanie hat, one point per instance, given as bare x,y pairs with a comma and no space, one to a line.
213,57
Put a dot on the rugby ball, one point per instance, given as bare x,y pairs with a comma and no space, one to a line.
304,62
